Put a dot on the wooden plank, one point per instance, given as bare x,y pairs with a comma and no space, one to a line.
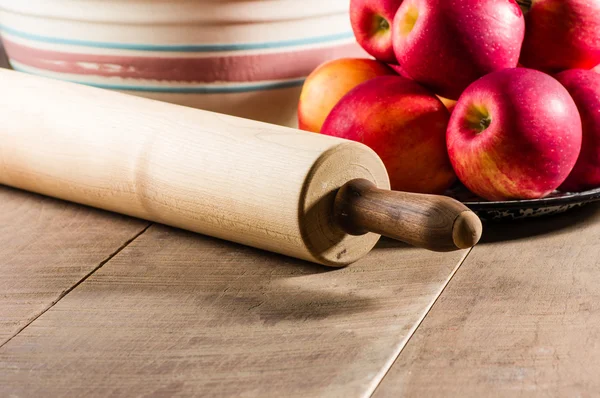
46,247
180,314
520,318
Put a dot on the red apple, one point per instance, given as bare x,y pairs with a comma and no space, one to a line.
327,84
561,34
372,25
448,44
404,124
450,104
584,87
514,134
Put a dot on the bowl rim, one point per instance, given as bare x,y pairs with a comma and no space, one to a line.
180,12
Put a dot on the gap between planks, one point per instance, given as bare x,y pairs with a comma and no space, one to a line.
378,379
85,277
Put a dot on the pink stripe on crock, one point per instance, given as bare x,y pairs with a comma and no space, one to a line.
231,68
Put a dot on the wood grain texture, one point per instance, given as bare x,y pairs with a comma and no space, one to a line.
46,247
181,314
521,318
253,183
433,222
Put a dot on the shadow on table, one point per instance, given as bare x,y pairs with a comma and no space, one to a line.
526,228
392,244
236,283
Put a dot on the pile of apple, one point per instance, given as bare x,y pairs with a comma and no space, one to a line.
499,93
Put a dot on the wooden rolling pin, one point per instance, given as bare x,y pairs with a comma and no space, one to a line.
305,195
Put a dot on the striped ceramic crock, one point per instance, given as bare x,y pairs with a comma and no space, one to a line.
245,58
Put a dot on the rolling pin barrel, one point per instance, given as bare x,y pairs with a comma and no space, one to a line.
309,196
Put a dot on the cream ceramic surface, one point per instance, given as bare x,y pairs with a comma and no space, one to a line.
245,58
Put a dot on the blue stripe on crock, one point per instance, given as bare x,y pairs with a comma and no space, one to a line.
181,48
212,89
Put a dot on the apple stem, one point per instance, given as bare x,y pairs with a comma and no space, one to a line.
485,123
381,24
384,24
525,5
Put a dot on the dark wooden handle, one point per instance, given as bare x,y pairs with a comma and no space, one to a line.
433,222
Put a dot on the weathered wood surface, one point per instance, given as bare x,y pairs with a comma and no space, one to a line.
181,314
520,318
46,247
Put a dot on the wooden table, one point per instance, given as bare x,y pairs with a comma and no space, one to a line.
97,304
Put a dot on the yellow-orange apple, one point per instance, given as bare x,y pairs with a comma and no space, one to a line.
327,84
448,103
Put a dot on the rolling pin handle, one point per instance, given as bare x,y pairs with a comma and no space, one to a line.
433,222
